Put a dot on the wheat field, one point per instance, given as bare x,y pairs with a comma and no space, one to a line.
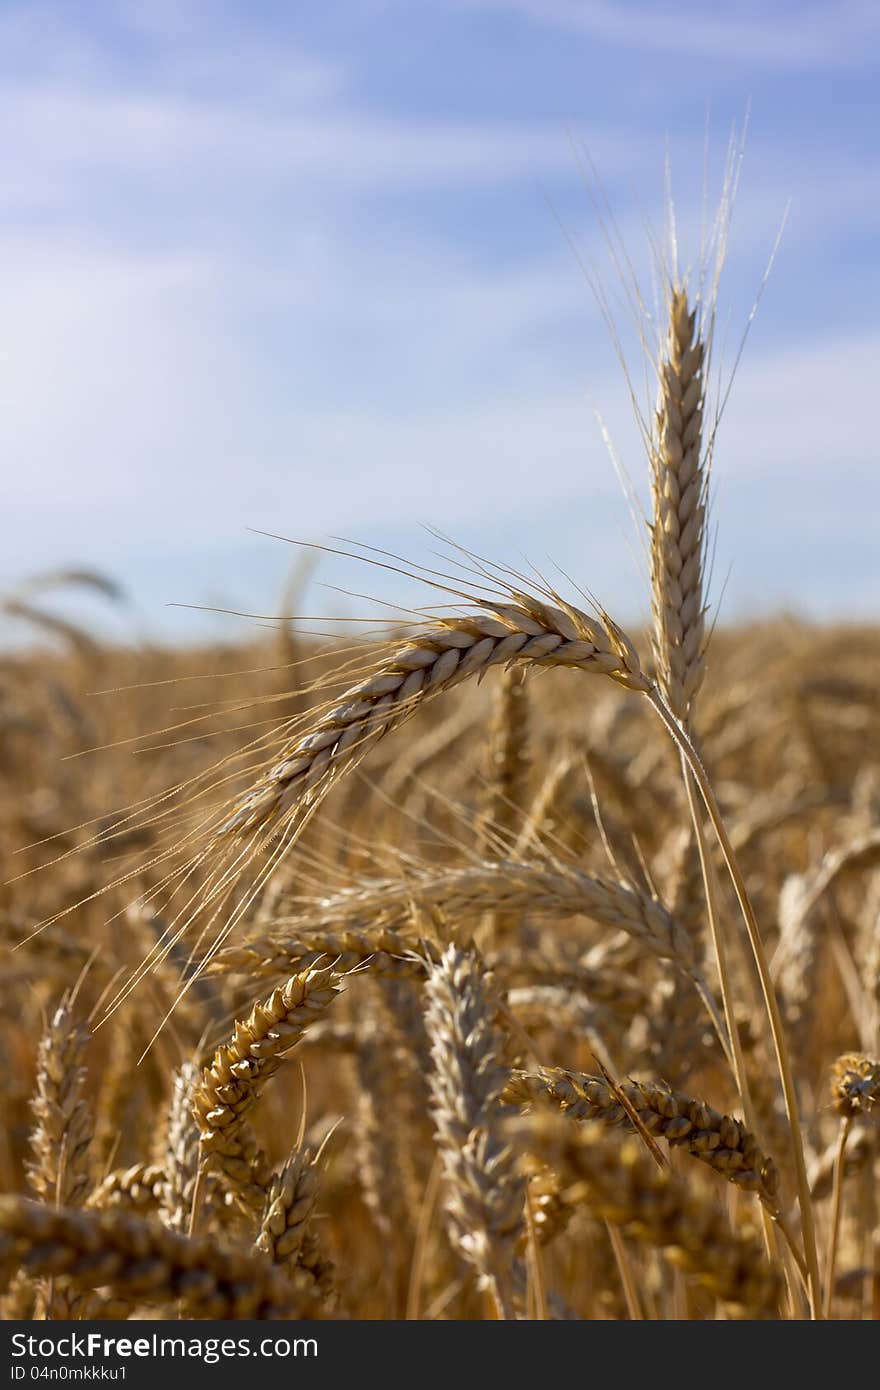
416,975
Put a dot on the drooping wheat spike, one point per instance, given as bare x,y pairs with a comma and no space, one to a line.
287,1234
181,1157
545,888
143,1261
390,954
720,1141
655,1206
855,1084
484,1192
678,486
432,661
230,1087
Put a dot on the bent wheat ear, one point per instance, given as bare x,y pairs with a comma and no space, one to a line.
141,1260
230,1087
390,954
720,1141
623,1185
443,655
542,888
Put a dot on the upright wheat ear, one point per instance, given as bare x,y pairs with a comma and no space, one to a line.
505,794
485,1194
679,480
63,1125
678,486
62,1135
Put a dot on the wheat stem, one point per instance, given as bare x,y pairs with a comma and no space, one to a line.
770,1003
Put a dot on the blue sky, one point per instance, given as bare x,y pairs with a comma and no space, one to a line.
309,269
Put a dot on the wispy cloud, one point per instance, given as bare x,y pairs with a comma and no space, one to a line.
251,275
794,34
